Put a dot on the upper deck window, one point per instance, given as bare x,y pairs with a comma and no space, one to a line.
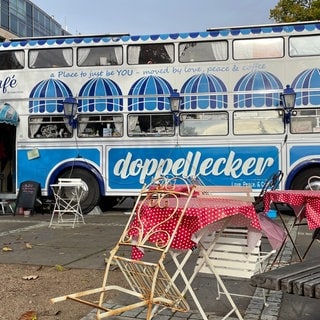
263,122
263,48
11,60
305,121
204,124
50,58
100,126
150,125
100,56
50,127
203,51
150,53
304,46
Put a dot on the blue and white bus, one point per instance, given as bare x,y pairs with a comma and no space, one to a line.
231,127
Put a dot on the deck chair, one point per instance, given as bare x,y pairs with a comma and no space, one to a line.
148,284
231,257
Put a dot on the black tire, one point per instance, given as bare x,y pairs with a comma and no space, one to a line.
107,203
90,198
300,182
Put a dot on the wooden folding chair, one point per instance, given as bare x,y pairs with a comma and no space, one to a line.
227,254
243,193
148,284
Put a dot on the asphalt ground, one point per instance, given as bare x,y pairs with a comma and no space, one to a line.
87,245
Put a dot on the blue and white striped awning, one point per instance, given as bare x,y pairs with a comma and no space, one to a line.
307,87
210,93
253,90
48,96
8,114
99,95
150,93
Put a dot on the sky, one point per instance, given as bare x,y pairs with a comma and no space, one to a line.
154,17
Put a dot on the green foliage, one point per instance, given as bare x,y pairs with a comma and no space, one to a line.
296,10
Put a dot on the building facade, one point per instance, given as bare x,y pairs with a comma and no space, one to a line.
22,18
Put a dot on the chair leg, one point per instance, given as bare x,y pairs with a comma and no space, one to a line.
2,207
316,235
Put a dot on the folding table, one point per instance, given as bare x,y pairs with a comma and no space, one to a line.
67,194
305,204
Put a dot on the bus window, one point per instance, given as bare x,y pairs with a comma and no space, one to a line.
203,51
150,53
100,126
150,124
304,46
204,124
258,122
305,121
258,48
49,127
11,60
50,58
100,56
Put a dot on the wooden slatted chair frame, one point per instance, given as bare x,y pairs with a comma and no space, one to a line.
148,283
243,193
232,258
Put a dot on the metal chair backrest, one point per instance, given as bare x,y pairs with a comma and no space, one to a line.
314,183
272,183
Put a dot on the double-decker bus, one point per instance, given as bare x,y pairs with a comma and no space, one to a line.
231,127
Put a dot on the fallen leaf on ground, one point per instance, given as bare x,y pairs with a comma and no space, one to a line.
29,315
31,277
59,267
5,249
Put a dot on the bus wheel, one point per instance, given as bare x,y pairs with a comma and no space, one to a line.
300,182
90,198
107,203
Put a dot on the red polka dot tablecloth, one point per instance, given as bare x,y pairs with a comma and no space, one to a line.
297,199
200,213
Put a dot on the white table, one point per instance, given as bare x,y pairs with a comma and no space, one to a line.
67,194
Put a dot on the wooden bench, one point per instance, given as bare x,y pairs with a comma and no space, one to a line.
302,278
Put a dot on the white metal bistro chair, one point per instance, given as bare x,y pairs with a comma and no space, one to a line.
67,194
6,204
148,284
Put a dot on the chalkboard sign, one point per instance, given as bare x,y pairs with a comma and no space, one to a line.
29,191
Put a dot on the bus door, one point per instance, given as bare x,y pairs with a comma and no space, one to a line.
8,122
